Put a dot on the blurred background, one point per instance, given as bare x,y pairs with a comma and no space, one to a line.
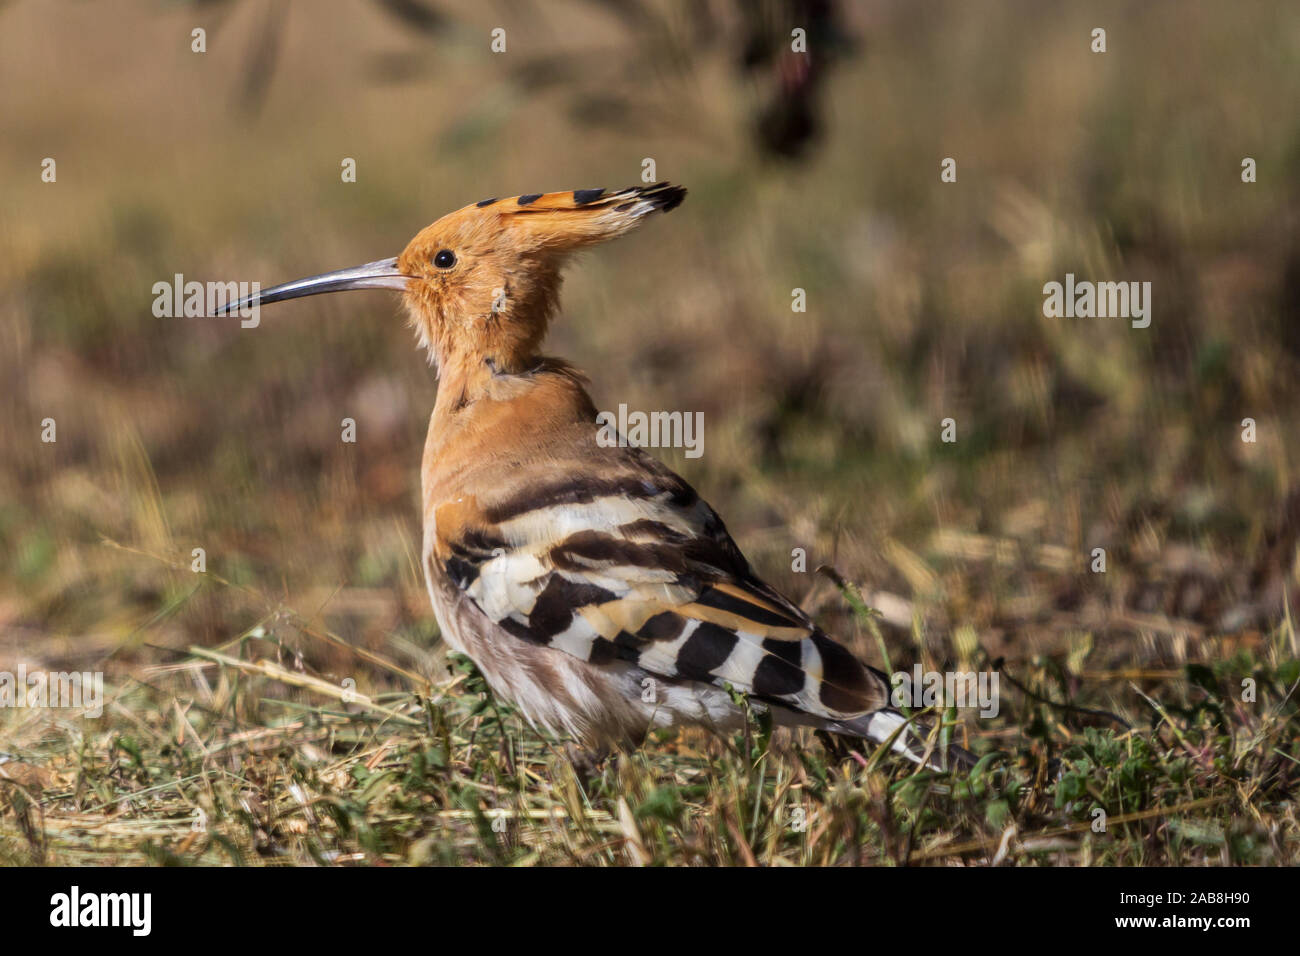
822,428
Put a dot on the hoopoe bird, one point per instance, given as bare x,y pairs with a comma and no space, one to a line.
592,587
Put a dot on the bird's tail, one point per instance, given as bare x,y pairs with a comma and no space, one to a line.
914,739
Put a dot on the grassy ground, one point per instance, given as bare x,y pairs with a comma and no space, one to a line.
230,757
227,736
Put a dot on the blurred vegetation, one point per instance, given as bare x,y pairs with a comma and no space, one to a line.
822,429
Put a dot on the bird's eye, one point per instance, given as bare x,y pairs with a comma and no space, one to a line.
445,259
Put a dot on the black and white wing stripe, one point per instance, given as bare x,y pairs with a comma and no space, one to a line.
636,567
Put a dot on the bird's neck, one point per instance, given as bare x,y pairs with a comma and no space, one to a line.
483,416
464,379
537,389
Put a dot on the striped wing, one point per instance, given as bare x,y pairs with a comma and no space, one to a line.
636,567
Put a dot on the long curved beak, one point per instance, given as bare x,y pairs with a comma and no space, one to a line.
382,274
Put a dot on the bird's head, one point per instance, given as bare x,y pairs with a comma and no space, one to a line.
481,283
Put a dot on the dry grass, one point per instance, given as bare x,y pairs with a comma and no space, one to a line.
238,754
